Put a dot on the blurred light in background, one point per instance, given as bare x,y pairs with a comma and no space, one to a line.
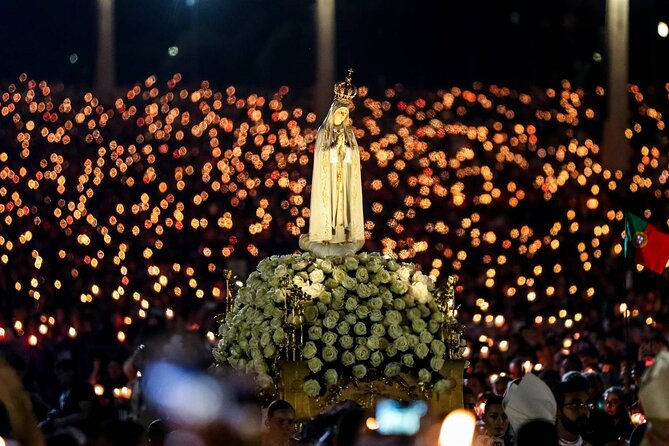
184,394
457,429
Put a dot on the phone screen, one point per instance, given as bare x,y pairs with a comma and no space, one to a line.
396,418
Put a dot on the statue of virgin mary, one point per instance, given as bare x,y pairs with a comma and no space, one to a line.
336,226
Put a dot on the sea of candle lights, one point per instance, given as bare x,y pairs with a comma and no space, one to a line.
138,203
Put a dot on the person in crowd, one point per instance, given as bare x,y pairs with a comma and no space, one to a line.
349,426
133,368
19,364
631,371
110,377
280,424
500,384
550,377
596,389
6,427
537,432
64,438
481,402
636,437
614,405
528,399
478,383
516,368
157,432
76,404
322,429
600,430
18,425
571,363
479,409
547,350
122,433
573,410
469,399
495,423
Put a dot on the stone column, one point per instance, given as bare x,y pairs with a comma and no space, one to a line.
616,150
105,68
325,55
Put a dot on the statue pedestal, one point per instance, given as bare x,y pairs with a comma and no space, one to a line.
368,392
441,403
291,380
323,250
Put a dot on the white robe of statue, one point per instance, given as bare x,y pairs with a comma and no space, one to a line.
336,225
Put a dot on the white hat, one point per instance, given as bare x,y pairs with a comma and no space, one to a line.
529,399
654,388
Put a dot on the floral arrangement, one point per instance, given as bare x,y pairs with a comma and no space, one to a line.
357,317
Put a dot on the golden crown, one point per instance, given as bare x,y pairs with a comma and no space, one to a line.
345,91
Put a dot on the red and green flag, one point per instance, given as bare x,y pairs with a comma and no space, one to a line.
645,243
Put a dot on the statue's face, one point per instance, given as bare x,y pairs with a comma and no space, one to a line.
340,115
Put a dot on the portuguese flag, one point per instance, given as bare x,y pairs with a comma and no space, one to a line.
645,244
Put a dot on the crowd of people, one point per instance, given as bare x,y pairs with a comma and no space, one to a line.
564,406
119,216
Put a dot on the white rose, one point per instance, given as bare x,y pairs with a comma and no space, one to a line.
300,265
315,365
315,289
420,277
264,381
260,366
309,350
359,371
281,271
269,351
279,296
316,276
256,353
404,273
331,376
419,292
312,388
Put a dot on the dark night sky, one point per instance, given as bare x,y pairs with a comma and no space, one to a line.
419,43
